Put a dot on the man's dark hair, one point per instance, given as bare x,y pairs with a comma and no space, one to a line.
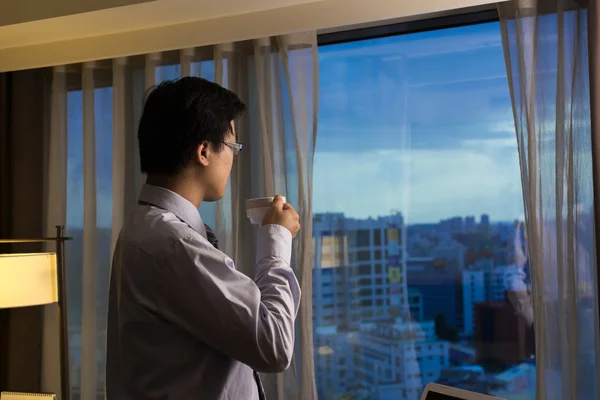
178,116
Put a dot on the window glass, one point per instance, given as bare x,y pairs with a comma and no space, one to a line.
416,149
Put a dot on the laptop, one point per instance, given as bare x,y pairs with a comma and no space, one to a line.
434,391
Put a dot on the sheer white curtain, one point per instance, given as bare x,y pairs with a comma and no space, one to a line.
94,179
79,196
278,79
546,51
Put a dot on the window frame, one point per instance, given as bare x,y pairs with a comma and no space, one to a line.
353,34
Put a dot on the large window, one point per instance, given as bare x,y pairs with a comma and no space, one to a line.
418,218
416,146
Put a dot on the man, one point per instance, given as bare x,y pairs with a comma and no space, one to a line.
182,322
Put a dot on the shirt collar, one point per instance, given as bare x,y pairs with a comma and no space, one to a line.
174,203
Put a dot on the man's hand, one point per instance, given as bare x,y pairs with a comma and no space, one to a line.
282,214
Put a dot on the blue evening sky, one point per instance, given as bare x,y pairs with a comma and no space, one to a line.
419,123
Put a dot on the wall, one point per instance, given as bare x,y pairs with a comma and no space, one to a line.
22,187
33,10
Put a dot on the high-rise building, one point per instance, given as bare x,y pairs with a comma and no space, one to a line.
359,271
369,340
501,336
451,225
499,279
437,284
473,292
439,279
485,220
335,362
470,224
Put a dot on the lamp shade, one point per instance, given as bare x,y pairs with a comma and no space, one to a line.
28,279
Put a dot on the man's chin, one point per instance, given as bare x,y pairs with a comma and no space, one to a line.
212,199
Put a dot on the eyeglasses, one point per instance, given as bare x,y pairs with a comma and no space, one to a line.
236,147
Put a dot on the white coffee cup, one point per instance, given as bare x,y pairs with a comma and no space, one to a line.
256,209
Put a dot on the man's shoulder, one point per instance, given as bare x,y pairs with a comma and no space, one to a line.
154,230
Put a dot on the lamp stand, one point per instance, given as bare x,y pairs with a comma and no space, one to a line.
62,313
59,240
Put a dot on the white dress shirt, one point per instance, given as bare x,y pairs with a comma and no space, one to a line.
183,323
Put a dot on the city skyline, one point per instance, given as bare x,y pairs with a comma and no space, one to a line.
395,310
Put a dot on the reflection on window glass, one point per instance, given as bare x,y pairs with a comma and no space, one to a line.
417,175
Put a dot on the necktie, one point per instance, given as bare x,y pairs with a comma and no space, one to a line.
212,238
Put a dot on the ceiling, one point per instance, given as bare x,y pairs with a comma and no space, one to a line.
31,22
43,33
33,10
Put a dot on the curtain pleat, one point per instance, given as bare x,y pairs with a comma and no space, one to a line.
231,65
225,59
186,59
593,25
90,238
120,133
56,214
266,77
152,61
136,92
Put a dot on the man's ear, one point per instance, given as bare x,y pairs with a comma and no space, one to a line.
202,153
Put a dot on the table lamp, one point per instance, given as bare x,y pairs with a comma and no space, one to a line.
33,279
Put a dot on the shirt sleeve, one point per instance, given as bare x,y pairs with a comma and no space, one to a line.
249,320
